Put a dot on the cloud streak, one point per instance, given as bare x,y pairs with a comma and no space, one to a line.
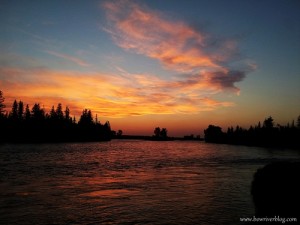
199,65
70,58
176,45
108,95
148,33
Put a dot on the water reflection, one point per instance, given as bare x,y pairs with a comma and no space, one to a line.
133,182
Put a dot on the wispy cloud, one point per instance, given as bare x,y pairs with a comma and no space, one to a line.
201,66
147,32
178,46
109,95
73,59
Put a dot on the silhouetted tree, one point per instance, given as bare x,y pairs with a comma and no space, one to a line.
214,134
53,113
96,119
2,106
293,124
164,133
57,126
259,126
157,132
59,112
20,110
37,112
298,122
267,135
119,133
27,113
268,123
107,125
14,111
86,118
67,113
230,130
107,129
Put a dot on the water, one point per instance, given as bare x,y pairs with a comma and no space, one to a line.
129,182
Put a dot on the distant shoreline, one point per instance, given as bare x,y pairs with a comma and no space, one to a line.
152,138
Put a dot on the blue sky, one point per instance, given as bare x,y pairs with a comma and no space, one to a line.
141,64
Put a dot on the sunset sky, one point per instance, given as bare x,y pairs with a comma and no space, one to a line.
141,64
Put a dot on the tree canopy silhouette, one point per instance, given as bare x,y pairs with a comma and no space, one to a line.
35,125
160,134
268,123
214,134
2,106
267,135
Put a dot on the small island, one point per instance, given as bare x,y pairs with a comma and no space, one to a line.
160,134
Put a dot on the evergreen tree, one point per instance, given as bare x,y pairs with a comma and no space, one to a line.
259,126
157,132
27,113
67,113
293,124
268,123
14,111
59,112
86,118
97,119
37,112
107,126
2,106
164,133
53,115
20,110
39,126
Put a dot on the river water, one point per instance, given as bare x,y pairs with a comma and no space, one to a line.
130,182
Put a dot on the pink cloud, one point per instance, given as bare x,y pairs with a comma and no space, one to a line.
178,46
148,33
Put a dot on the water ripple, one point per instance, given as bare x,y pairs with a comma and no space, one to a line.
129,182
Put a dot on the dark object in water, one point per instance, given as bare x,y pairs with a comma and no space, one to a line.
276,190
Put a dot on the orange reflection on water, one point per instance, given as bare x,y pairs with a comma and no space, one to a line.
109,193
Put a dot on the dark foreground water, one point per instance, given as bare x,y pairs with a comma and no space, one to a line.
129,182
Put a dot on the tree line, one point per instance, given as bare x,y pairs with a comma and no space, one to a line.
267,134
160,134
25,124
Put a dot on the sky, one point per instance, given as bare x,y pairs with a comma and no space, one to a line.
141,64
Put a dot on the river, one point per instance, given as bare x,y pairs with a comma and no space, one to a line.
130,182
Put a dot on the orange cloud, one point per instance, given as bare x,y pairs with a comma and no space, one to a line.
178,46
108,95
148,33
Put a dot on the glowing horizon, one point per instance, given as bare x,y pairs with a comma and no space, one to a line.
139,65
